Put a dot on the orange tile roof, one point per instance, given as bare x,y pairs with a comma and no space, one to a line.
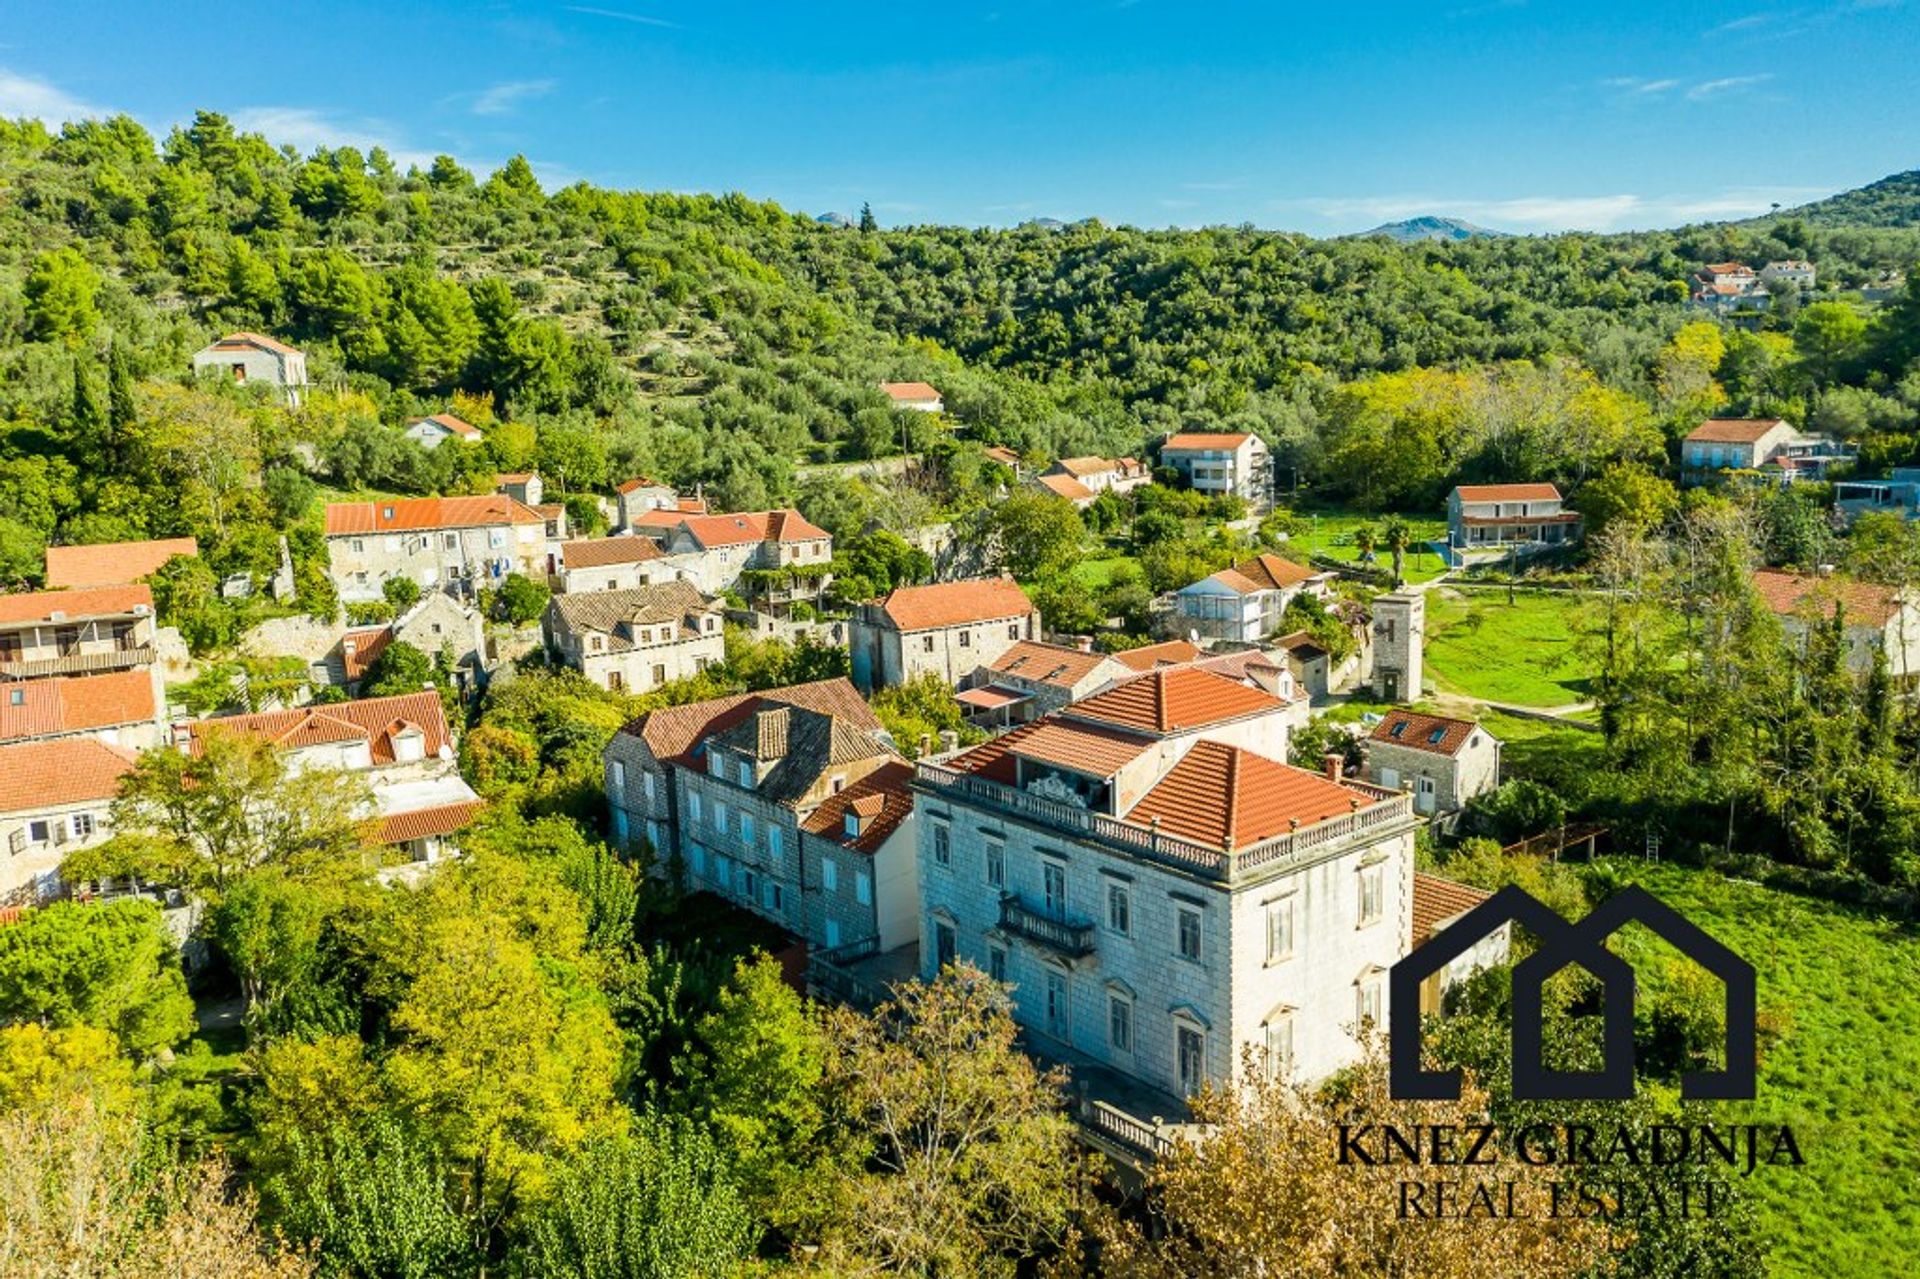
881,800
368,644
1733,430
1047,663
637,483
672,731
1727,268
1174,700
1508,493
423,823
459,426
420,514
1187,440
1265,573
1438,734
1085,748
602,551
76,704
1065,486
1004,456
907,391
1436,900
747,526
374,720
1171,653
71,770
257,340
1078,466
1788,594
1229,797
980,599
112,563
90,601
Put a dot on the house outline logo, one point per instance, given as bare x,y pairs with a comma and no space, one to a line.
1563,944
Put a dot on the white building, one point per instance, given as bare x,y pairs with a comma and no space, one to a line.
432,431
1220,462
456,544
1798,273
1487,521
1102,474
1245,603
55,797
774,558
918,396
1161,892
948,629
1443,761
623,563
246,358
636,640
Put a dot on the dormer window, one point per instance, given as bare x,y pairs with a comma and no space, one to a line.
717,764
1435,736
850,824
386,512
746,773
1398,728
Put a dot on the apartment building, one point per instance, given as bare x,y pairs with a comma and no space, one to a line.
635,640
948,629
1222,462
456,544
1245,603
790,803
1160,891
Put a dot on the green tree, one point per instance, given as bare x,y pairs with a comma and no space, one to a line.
400,668
521,600
1828,336
107,965
401,592
375,1199
1626,496
60,297
1031,535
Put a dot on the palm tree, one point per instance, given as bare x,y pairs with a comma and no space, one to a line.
1398,538
1363,542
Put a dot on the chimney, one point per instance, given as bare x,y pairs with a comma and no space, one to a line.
1084,643
949,741
1335,763
926,744
182,735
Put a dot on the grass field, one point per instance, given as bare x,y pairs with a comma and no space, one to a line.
1478,645
1540,751
1097,573
1330,533
1845,986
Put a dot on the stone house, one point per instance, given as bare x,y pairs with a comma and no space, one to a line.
1443,762
249,358
623,563
55,797
437,623
1879,619
123,708
641,496
435,429
721,553
1222,462
635,640
753,796
112,563
1798,273
1437,903
1487,521
1310,662
456,544
1033,678
949,629
1161,892
525,487
1770,444
1104,474
1245,603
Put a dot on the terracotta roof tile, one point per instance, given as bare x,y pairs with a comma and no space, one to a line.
260,340
374,720
1048,663
1732,430
901,392
1187,440
419,514
1086,748
672,731
447,421
1272,573
1790,594
1437,734
423,823
91,601
368,644
1226,796
1437,900
112,563
983,599
72,770
1065,486
599,552
76,704
749,526
1171,653
637,483
1508,493
881,800
1174,700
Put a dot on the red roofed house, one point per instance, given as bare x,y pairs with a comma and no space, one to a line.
1245,603
1437,903
1102,474
1222,462
1487,521
54,798
918,396
949,629
624,562
1444,762
1032,678
1878,618
790,802
1770,445
1066,486
124,708
247,358
403,743
112,563
435,429
639,495
746,552
80,661
1162,893
455,544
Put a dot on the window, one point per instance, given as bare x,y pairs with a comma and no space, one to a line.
863,888
699,859
693,805
659,674
966,639
720,816
717,764
776,898
839,782
1013,632
1120,909
1370,893
942,944
1120,1023
450,540
997,963
942,845
1059,1015
16,697
646,785
1189,934
745,775
833,933
749,884
1279,930
746,828
1367,1006
723,872
619,779
776,843
38,832
926,644
359,546
996,864
1053,883
829,874
1190,1050
1278,1036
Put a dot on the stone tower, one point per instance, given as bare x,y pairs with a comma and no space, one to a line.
1399,636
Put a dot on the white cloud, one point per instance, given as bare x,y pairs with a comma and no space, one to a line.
620,15
22,95
1727,84
1544,213
1747,23
505,98
305,128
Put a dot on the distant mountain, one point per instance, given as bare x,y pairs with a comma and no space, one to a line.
1429,227
836,219
1891,202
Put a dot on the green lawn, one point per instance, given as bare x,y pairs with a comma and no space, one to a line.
1540,751
1330,532
1098,573
1478,645
1843,990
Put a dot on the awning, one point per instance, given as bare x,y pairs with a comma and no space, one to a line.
990,698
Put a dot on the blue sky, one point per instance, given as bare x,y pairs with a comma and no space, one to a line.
1325,118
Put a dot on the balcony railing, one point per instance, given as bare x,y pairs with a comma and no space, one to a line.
120,658
1377,813
1065,936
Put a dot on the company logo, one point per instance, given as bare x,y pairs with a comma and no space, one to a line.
1562,944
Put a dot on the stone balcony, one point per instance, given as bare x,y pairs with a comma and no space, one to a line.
1070,938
